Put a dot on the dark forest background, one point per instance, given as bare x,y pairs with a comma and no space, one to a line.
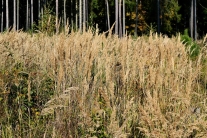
140,15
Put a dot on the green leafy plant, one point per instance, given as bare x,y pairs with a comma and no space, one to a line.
21,103
192,47
46,23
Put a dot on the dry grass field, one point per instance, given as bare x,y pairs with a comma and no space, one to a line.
90,85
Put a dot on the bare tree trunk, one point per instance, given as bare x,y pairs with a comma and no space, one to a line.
120,21
42,11
193,24
71,14
32,15
108,20
80,15
56,16
84,15
39,9
27,16
116,16
195,20
17,14
76,15
136,22
2,16
124,18
64,15
158,16
7,14
14,25
42,7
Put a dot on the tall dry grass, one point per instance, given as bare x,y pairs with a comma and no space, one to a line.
103,86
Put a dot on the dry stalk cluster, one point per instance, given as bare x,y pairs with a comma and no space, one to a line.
112,87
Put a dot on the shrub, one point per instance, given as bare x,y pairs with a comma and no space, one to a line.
47,22
192,47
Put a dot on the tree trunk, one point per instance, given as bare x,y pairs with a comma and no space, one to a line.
158,16
80,15
194,20
124,18
14,25
71,15
76,15
17,14
120,21
84,15
42,11
7,14
136,22
32,15
2,16
42,7
39,9
64,15
107,12
27,16
116,16
56,16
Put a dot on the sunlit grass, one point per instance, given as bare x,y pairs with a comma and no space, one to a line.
85,85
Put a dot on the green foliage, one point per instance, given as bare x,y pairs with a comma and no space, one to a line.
22,98
192,47
47,22
151,29
97,14
130,5
99,130
101,119
170,16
